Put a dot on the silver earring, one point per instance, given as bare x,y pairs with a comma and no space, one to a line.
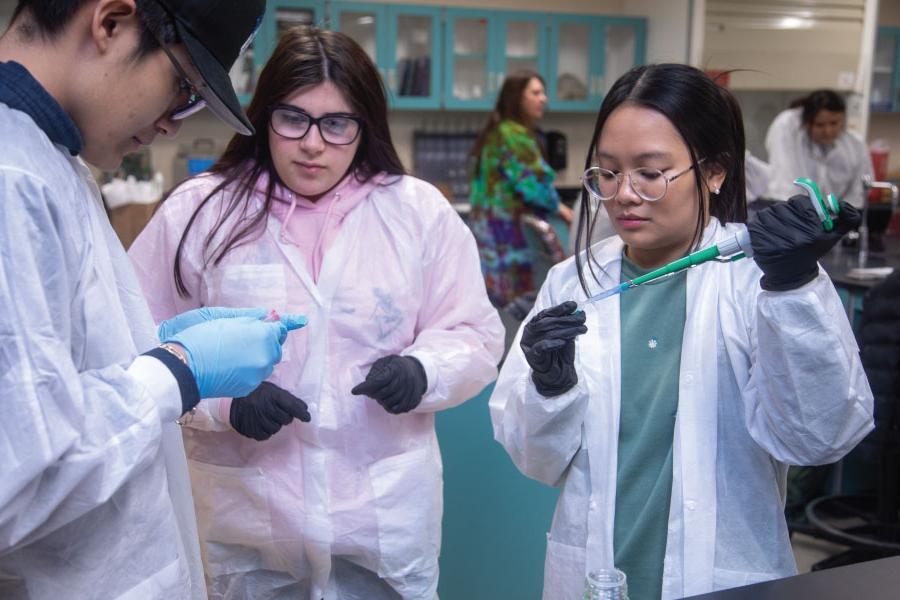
716,191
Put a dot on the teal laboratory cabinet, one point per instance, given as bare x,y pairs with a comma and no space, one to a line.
481,46
433,57
885,96
495,519
404,43
279,15
579,80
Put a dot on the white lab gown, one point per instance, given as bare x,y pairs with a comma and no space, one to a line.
401,277
94,492
837,170
767,379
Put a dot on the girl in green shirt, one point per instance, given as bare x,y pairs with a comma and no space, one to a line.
668,415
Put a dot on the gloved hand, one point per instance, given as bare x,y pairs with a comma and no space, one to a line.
788,239
179,323
230,357
548,341
397,383
265,410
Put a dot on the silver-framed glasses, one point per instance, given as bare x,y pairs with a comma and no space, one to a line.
648,183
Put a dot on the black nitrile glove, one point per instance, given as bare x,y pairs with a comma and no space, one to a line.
788,239
548,342
397,383
261,414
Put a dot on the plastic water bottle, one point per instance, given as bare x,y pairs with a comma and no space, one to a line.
605,584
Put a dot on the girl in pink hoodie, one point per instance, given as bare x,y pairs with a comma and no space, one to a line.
313,214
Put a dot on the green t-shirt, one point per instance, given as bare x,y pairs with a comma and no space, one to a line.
652,328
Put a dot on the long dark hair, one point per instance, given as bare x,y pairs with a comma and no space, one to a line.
707,117
304,56
507,108
818,100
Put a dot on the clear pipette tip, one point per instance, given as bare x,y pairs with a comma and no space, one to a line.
608,293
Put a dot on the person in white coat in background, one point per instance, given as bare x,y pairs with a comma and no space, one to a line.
315,215
668,414
94,493
810,139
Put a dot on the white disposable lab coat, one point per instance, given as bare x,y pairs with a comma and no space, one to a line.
401,277
792,153
94,491
767,379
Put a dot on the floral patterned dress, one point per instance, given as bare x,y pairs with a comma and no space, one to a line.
513,180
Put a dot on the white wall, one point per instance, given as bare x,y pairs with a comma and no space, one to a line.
6,9
668,28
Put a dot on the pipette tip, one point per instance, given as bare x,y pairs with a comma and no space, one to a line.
606,294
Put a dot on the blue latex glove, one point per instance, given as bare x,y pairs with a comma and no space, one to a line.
232,356
179,323
292,321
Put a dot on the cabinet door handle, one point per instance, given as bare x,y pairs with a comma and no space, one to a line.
392,79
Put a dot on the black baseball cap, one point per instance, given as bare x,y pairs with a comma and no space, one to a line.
215,32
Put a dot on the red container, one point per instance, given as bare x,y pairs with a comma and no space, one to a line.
879,152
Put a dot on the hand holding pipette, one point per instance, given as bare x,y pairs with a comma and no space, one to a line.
789,238
783,240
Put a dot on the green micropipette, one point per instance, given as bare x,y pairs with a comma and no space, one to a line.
734,248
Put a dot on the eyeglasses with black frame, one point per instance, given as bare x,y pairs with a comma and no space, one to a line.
195,94
337,129
649,184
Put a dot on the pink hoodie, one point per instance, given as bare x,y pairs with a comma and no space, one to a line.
313,226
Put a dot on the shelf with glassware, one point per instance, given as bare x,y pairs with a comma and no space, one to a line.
885,95
578,80
404,42
481,46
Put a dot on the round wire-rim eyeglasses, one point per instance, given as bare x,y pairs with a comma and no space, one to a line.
646,176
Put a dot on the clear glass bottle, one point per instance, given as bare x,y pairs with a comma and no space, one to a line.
605,584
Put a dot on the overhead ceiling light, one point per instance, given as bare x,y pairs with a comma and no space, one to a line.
794,23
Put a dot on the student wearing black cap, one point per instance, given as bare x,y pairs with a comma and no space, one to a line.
94,495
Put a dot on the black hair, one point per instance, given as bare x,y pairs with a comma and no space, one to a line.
305,56
48,18
708,118
818,100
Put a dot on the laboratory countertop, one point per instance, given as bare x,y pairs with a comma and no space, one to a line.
873,580
841,261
